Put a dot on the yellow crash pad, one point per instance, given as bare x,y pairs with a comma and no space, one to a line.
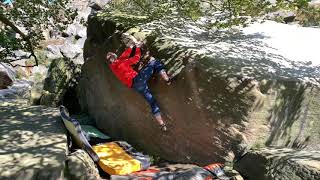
114,160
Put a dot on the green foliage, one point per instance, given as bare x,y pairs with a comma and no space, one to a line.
38,77
227,12
309,16
258,146
8,40
31,18
155,159
158,9
43,60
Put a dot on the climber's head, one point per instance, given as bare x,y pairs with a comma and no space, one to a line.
111,57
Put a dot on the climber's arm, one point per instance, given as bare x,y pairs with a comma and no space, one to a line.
135,59
125,54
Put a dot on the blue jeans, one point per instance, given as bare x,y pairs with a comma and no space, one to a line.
141,86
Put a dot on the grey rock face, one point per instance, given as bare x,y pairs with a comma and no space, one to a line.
76,30
21,54
70,51
54,51
20,89
73,49
284,164
315,3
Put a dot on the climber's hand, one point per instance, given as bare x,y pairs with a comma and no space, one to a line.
139,44
171,79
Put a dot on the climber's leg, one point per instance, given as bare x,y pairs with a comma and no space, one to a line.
154,66
144,90
140,85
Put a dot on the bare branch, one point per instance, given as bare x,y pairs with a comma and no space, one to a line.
17,58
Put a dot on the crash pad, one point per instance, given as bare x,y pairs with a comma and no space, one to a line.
114,160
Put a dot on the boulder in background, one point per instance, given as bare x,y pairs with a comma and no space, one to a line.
81,166
7,75
280,163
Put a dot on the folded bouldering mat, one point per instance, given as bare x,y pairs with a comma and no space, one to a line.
115,158
76,133
92,134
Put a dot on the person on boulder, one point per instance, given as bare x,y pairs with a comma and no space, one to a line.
122,67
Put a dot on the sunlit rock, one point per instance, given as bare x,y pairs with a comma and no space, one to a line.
280,163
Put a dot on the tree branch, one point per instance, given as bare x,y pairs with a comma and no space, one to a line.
15,58
7,22
21,65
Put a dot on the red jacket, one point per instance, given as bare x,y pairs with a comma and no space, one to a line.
122,66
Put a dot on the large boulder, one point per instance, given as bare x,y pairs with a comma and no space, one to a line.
282,163
233,90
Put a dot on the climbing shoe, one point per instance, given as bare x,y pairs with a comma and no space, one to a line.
163,127
171,79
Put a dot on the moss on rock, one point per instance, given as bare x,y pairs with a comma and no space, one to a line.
61,74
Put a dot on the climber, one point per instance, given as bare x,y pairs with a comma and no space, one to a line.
123,69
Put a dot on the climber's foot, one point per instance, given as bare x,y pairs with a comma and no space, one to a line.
170,80
163,127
